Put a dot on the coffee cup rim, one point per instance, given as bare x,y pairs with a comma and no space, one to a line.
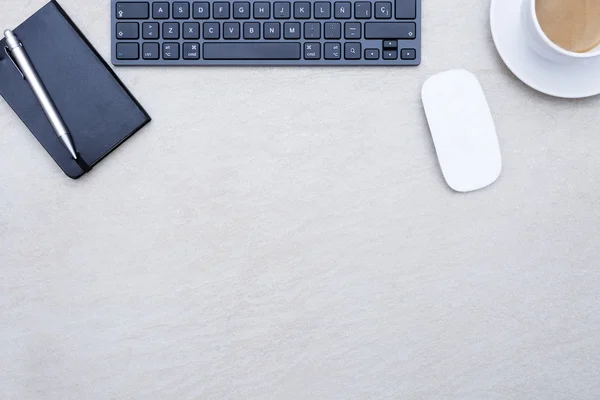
553,45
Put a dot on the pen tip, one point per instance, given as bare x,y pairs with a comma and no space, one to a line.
69,145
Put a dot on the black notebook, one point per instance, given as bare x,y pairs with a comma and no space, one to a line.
96,107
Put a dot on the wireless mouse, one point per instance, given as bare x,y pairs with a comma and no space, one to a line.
462,129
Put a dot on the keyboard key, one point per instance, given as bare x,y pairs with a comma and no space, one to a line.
150,31
390,30
231,30
241,10
191,51
312,51
322,10
252,51
128,51
333,30
390,44
352,30
272,30
333,51
201,10
312,30
181,10
352,51
128,10
191,30
343,10
408,54
390,54
128,30
171,51
151,51
160,10
383,10
406,9
251,30
291,30
210,30
301,10
262,10
362,10
372,54
171,30
220,10
281,10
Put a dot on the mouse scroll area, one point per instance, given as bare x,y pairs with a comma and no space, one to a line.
462,129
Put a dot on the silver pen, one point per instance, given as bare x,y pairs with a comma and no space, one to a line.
19,56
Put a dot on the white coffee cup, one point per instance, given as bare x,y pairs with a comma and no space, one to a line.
539,42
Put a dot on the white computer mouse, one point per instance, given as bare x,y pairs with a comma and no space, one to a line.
463,130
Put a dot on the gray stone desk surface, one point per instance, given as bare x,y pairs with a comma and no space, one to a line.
285,233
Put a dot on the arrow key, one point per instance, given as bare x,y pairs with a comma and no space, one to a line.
371,54
390,44
390,55
408,54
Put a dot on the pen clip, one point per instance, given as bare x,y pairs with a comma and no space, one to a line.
13,61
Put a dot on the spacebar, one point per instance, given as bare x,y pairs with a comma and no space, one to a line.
251,51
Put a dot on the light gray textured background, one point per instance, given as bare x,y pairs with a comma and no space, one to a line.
285,233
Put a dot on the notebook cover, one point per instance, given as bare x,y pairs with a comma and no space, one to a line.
97,108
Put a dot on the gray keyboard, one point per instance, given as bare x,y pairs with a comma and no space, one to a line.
299,33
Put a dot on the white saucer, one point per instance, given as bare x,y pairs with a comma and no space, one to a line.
578,80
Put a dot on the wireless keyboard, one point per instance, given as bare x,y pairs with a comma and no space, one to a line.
262,32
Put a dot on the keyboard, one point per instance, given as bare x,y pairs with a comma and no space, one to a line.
311,33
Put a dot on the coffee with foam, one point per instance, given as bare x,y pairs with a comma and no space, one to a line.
573,25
